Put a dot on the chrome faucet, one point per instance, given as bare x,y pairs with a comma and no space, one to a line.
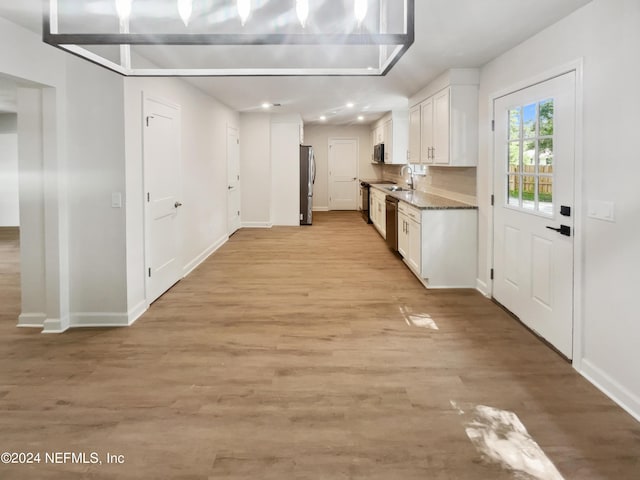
410,182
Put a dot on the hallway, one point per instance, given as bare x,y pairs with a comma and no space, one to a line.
297,353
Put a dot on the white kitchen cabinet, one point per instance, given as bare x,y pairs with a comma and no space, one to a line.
439,245
393,131
410,236
414,135
426,131
449,127
387,136
378,211
441,127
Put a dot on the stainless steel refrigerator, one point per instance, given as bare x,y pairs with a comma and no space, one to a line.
307,179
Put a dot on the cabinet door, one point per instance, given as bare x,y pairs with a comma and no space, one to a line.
441,127
415,246
388,141
403,235
373,210
382,211
426,131
414,135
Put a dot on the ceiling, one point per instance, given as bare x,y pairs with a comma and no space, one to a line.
449,34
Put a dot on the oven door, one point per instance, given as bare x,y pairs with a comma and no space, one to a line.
364,190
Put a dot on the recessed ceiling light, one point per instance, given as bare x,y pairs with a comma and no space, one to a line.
360,118
323,118
350,105
266,105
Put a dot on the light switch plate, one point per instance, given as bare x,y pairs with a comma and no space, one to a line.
116,200
601,210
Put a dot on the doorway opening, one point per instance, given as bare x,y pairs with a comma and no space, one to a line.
10,289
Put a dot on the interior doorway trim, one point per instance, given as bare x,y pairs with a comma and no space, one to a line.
577,67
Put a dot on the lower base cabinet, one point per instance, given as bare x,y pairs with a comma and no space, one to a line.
439,245
378,211
410,236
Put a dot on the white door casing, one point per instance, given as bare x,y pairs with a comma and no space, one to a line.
233,180
534,157
343,174
162,179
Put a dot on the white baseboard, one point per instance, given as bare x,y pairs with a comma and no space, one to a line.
31,320
55,325
136,312
257,225
99,319
320,209
193,264
483,288
610,387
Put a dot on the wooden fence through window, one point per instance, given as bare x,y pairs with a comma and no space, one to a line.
529,181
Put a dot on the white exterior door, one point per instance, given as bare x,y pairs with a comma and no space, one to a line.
162,182
343,174
233,180
533,212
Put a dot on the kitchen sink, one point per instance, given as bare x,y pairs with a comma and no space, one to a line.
396,188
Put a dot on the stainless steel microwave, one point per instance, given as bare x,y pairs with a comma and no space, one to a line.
378,153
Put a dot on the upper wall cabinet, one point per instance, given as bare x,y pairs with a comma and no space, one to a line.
448,128
393,131
414,135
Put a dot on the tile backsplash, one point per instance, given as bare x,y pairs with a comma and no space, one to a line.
458,183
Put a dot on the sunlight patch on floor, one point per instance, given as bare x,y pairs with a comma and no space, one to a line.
501,438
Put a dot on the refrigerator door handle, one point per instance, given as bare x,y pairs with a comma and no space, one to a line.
313,167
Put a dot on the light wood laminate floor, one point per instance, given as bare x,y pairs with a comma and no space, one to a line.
291,354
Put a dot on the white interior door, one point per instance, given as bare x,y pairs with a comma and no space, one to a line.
162,181
343,174
534,193
233,180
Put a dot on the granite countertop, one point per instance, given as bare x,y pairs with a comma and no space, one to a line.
425,201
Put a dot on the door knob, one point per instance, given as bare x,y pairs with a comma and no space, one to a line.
563,230
177,204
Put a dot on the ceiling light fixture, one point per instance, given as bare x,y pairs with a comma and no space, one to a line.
350,105
337,46
244,10
360,8
323,118
266,105
302,9
123,8
360,118
185,8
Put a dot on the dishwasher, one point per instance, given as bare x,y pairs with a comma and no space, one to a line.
392,222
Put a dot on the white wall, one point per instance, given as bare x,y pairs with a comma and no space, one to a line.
285,170
44,266
318,136
255,169
606,35
204,175
9,206
96,163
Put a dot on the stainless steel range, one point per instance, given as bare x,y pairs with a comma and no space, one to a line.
364,190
